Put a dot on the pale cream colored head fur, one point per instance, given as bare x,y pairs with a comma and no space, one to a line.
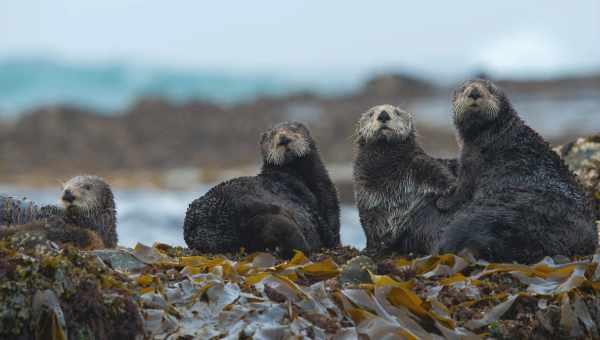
476,97
84,192
285,142
385,122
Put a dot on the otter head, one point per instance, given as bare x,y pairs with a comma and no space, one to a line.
385,123
86,193
285,142
479,100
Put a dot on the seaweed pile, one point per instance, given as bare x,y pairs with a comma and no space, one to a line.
163,292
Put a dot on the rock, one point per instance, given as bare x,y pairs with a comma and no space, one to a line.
50,292
48,316
583,158
397,84
157,135
119,259
357,270
52,232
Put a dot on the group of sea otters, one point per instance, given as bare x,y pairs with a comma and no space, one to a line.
507,197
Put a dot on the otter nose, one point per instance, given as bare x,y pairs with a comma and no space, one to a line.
68,196
284,140
474,93
383,117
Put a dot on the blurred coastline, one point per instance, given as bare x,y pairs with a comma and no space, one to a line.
173,140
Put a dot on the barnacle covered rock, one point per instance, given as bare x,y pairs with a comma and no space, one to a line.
49,292
583,158
157,292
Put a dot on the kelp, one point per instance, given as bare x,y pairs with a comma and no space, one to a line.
442,296
181,294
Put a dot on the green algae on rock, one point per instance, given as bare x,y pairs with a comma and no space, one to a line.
163,292
48,293
583,158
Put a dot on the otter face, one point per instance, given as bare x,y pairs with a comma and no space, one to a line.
84,193
385,123
476,97
285,142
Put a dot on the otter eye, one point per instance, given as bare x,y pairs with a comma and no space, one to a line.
87,187
397,112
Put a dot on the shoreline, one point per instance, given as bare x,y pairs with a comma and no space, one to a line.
155,135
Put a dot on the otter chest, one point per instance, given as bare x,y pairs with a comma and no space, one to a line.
392,195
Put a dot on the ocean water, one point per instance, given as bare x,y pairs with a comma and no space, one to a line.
148,216
28,83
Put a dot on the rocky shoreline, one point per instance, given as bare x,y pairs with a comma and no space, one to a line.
583,158
154,136
164,292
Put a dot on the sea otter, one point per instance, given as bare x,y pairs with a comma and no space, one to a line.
86,202
396,183
515,199
291,204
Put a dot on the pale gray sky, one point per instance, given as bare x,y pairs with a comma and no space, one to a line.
438,37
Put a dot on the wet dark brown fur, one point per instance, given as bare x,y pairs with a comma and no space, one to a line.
397,184
291,204
515,200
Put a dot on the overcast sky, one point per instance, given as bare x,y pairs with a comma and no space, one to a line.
512,37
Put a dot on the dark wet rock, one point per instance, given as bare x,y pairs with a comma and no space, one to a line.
357,270
52,232
97,313
583,158
49,292
119,259
48,317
